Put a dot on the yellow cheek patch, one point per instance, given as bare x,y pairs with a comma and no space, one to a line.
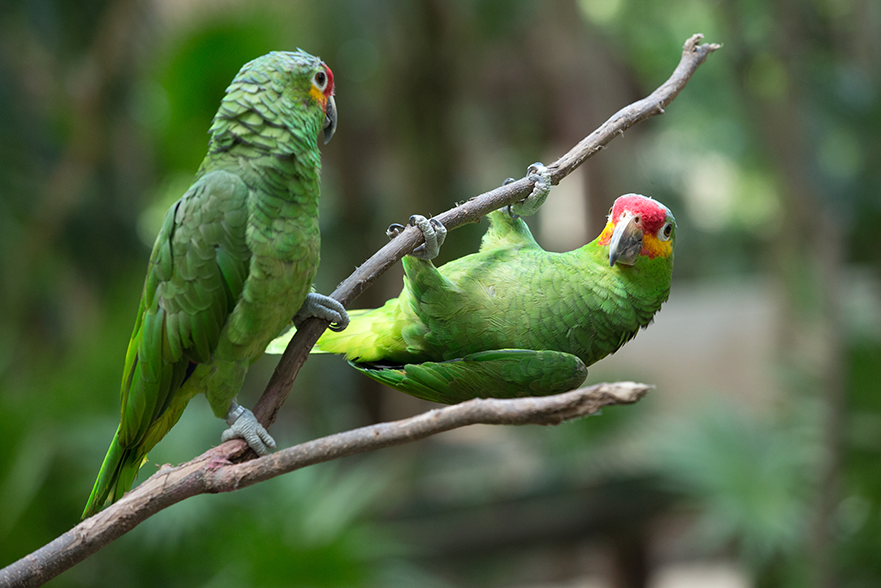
318,96
654,247
606,235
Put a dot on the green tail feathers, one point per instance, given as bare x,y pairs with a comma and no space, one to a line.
117,474
361,334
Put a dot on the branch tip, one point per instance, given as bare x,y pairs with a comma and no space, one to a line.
627,392
692,45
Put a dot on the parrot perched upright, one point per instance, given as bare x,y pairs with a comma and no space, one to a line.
232,265
513,319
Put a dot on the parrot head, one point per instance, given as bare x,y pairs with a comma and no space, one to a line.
321,91
290,89
638,226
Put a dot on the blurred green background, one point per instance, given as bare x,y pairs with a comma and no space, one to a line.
754,463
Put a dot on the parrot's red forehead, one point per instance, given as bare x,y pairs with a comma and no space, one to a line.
652,212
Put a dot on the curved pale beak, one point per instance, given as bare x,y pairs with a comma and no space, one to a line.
626,242
329,119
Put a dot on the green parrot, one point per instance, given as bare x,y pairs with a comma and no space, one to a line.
513,319
232,265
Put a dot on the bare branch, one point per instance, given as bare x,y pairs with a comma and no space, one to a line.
214,470
211,472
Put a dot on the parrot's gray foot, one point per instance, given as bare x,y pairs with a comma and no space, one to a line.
540,176
434,232
243,425
324,307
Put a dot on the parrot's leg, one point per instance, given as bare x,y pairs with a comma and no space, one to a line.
325,307
243,425
540,176
434,232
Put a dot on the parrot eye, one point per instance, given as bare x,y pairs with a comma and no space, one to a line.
319,80
665,232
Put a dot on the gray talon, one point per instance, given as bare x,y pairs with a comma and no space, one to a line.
434,233
537,168
509,181
243,425
540,176
325,307
440,229
394,230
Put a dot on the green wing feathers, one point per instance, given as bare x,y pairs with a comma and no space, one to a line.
195,274
503,373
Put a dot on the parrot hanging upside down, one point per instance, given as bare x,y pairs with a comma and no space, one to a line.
232,265
514,320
